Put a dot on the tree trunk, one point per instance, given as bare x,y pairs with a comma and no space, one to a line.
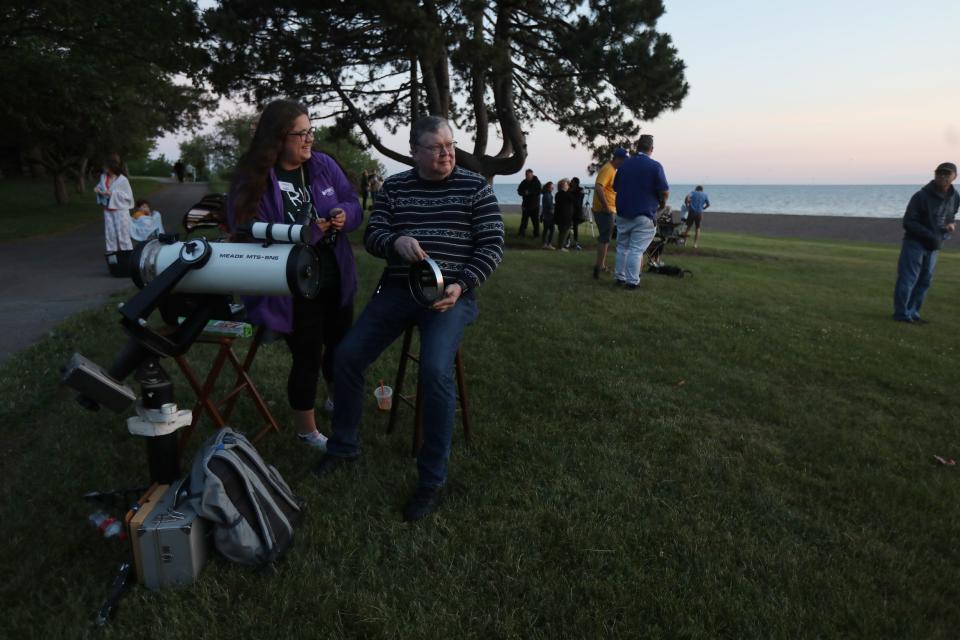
60,188
81,184
414,91
33,159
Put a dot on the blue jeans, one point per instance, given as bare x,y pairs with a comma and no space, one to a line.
914,274
384,319
548,229
634,235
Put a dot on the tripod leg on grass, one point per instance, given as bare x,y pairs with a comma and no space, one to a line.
118,588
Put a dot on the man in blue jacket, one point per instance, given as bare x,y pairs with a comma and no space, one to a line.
642,189
930,217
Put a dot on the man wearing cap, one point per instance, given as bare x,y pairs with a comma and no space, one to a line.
604,207
930,216
642,189
444,212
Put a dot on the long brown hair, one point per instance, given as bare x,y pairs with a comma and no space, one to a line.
114,165
253,170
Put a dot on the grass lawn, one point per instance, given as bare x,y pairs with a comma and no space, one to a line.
27,207
746,453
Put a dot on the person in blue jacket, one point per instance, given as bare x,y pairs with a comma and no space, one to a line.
281,179
697,201
642,190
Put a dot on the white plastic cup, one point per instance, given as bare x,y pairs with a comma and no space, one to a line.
384,396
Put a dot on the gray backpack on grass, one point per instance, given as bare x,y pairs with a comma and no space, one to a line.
253,510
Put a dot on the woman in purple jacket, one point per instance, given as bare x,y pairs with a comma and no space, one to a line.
282,179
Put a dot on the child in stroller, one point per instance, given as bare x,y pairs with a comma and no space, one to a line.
145,223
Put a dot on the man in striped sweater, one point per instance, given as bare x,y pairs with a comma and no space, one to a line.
447,213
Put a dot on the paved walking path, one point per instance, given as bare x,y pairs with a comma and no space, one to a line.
47,280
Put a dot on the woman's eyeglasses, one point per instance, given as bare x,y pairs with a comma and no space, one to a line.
306,134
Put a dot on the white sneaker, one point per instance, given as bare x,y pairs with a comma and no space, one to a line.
315,439
328,406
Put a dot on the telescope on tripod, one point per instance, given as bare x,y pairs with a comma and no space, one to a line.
195,279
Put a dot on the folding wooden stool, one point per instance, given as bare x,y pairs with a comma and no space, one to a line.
415,400
220,411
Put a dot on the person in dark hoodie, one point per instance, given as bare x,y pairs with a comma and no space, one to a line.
928,221
529,191
563,211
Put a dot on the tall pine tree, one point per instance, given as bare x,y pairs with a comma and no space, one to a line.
595,70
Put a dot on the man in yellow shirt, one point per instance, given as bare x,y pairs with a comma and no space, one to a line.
605,207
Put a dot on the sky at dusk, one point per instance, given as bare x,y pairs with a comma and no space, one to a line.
813,92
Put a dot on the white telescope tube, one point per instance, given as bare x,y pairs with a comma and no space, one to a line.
295,233
241,268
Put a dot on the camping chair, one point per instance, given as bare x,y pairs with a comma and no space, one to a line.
221,410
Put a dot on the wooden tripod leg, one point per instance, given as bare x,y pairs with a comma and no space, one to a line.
462,392
401,373
203,393
254,393
418,421
243,380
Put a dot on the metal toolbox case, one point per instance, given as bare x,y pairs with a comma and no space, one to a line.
173,543
137,516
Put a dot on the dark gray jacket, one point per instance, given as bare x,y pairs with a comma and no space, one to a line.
928,213
529,191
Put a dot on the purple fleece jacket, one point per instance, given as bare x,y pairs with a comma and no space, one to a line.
330,189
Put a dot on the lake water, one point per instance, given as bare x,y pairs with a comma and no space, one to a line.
873,201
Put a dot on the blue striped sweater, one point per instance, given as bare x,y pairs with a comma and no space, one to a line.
456,221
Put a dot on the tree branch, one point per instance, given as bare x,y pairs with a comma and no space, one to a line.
368,133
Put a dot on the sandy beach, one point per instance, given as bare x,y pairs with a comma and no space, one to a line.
848,229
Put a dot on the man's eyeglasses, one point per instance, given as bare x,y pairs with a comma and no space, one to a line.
306,134
437,150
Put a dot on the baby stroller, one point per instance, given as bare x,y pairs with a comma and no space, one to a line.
209,213
146,227
669,231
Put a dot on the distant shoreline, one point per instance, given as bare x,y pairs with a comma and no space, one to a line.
879,201
779,225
